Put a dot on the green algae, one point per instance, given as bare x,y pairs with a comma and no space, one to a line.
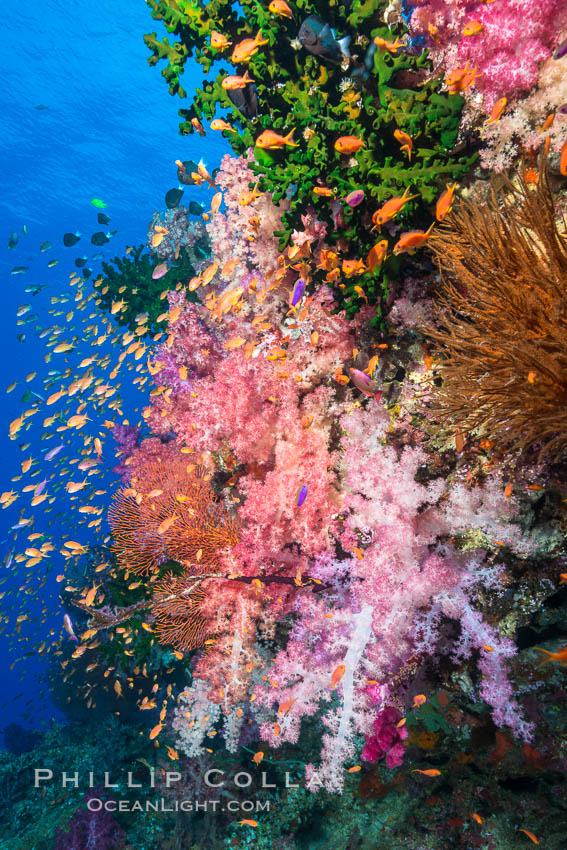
323,101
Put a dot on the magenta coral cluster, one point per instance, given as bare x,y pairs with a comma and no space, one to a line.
387,739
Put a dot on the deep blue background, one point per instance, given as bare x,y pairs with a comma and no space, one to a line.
110,131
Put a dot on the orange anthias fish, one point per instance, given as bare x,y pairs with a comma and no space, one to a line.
324,192
405,141
280,8
445,202
221,124
412,240
497,110
563,160
245,50
352,267
269,140
391,208
548,123
246,197
377,254
337,675
246,822
560,656
257,757
234,82
461,79
391,46
349,144
473,28
430,772
219,41
530,835
198,126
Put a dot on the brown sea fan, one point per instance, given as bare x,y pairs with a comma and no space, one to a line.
502,318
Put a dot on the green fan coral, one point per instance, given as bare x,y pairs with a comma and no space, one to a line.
381,90
128,282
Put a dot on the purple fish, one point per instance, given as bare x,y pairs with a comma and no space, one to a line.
40,487
51,454
353,199
160,271
363,383
301,495
68,624
298,291
337,215
561,50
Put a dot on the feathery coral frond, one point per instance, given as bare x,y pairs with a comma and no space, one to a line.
503,318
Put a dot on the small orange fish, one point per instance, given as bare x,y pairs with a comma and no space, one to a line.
548,123
221,124
246,197
269,140
445,202
530,835
354,769
563,160
476,817
560,656
90,597
562,578
405,141
391,46
337,675
219,41
247,822
377,254
246,49
155,731
461,79
257,758
280,8
473,28
497,111
430,772
391,208
166,524
349,144
412,240
324,192
508,490
487,647
233,82
198,126
353,267
419,699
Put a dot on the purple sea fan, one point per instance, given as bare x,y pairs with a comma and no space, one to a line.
90,830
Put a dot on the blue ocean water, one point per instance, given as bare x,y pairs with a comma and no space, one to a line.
82,115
